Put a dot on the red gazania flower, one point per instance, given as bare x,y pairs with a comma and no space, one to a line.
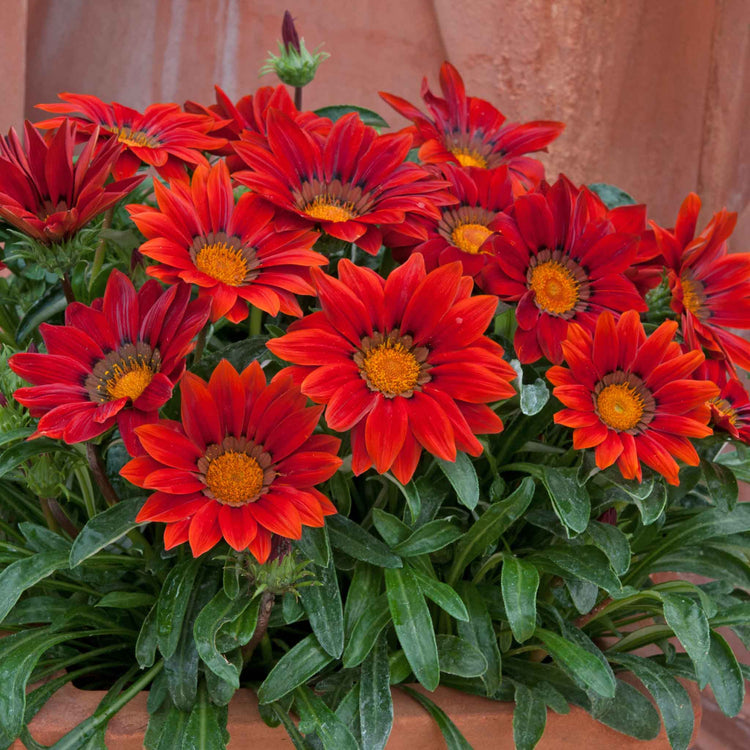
630,396
163,136
241,464
730,410
114,362
710,287
463,230
351,183
249,113
234,253
48,196
561,258
472,133
402,363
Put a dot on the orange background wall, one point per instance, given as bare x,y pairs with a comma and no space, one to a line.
654,92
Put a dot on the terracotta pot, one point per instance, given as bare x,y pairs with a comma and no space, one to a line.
483,722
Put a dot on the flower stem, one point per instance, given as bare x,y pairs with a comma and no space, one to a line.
67,288
200,344
264,614
298,97
256,321
48,516
96,266
100,474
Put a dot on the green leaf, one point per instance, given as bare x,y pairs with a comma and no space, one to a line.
721,484
10,436
413,624
585,562
325,610
365,584
689,623
442,594
206,725
313,712
392,529
125,600
104,529
670,696
585,666
25,573
722,672
529,718
428,538
459,657
534,397
463,477
570,501
610,540
611,196
337,111
145,646
375,701
488,528
629,712
366,631
14,456
314,545
352,539
711,523
44,308
220,610
479,631
454,740
410,493
173,603
304,660
291,728
519,582
706,561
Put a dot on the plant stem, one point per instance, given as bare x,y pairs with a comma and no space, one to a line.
256,321
97,468
264,613
48,515
67,288
96,266
200,344
298,97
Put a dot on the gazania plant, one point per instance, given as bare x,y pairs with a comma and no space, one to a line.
296,404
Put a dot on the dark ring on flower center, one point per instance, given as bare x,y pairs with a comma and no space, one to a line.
225,258
125,372
635,395
569,291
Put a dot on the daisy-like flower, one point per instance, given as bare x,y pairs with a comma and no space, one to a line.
233,252
730,410
471,132
48,196
710,287
241,464
162,136
631,397
249,113
561,258
463,230
351,183
401,362
115,362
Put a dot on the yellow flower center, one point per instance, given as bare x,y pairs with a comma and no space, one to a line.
620,406
330,209
692,295
469,237
724,408
469,158
234,478
128,380
136,138
222,262
555,287
391,368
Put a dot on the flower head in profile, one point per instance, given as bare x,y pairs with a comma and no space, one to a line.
49,196
241,464
402,363
463,231
352,183
162,136
232,251
730,410
471,132
562,259
710,286
631,397
115,362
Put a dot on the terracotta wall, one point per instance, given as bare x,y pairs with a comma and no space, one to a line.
654,92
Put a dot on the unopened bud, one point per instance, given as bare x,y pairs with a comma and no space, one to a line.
289,33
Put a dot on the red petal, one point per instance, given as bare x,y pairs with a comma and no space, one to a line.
238,526
385,431
204,531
